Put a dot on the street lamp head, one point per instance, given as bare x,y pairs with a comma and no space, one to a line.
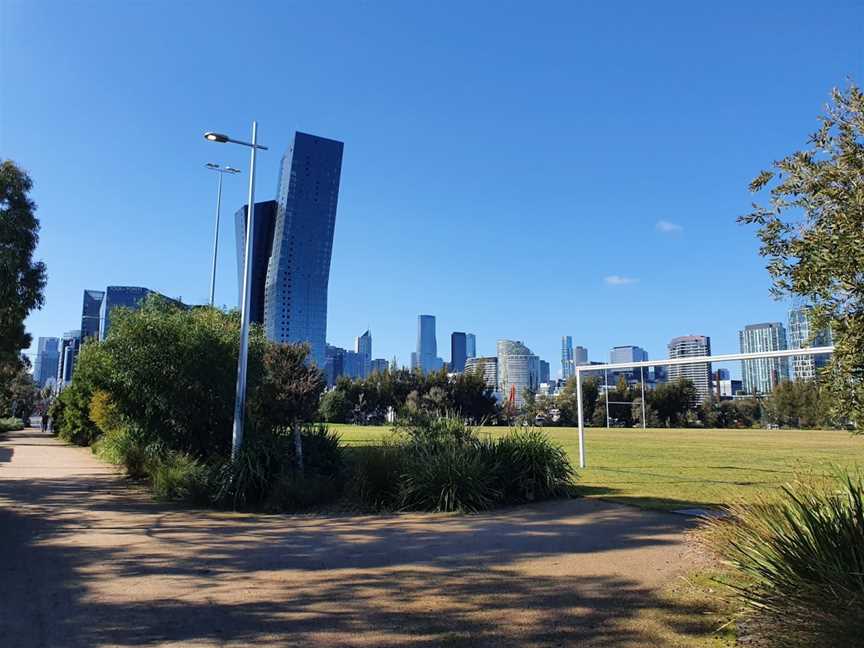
231,170
216,137
210,165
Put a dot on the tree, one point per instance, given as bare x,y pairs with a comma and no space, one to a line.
812,236
22,280
18,393
289,392
335,407
671,401
567,400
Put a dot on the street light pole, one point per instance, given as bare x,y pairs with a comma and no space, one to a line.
240,396
221,171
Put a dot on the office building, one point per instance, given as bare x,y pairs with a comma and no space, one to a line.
363,348
544,371
298,271
580,355
806,367
129,297
70,344
761,376
470,345
379,365
458,352
625,354
91,316
427,346
262,247
487,366
567,357
47,357
699,374
518,370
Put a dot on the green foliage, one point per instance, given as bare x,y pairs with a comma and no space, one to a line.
531,467
672,401
811,236
376,474
567,400
22,280
11,424
738,413
19,395
335,407
803,554
177,476
799,404
124,447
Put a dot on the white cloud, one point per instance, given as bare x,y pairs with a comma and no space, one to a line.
668,228
617,280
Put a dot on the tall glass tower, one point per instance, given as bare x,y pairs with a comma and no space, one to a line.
458,351
567,368
265,218
295,294
427,345
761,376
90,313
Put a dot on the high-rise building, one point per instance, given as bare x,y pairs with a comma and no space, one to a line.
487,367
380,365
623,354
567,363
806,367
458,351
762,375
580,355
47,357
130,297
298,271
427,346
333,364
544,371
70,344
699,374
518,370
470,345
91,314
363,348
262,247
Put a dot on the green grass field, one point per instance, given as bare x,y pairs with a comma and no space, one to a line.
680,468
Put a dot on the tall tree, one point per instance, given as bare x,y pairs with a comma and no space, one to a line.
813,236
22,280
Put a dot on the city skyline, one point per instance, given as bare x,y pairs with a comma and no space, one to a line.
392,199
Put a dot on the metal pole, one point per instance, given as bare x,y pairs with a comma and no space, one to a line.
240,397
606,395
216,238
642,375
580,419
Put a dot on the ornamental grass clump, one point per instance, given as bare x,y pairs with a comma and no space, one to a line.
532,467
802,554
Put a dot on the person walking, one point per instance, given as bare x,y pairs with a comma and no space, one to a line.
44,421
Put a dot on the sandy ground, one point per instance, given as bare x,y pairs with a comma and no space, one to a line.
88,559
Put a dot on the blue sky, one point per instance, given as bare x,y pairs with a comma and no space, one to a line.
503,160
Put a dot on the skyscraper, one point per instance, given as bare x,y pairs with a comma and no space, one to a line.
761,376
363,348
298,271
68,353
580,355
518,370
544,371
129,297
470,345
699,374
458,351
427,346
487,367
47,357
622,354
262,246
567,364
806,367
90,314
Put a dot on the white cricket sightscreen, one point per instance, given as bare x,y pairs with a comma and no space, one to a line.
732,357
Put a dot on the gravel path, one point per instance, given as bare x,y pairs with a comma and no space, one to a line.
88,559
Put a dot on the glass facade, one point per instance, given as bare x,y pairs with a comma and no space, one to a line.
488,367
518,370
363,347
458,351
806,367
298,271
427,345
567,364
262,245
470,345
119,297
47,357
699,373
91,313
761,376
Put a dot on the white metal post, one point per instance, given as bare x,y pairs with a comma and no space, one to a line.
240,397
606,395
216,238
580,419
642,376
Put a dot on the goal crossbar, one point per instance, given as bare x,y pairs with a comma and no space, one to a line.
729,357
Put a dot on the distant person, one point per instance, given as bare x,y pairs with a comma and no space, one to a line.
45,422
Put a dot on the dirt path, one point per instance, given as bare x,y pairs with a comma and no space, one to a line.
88,560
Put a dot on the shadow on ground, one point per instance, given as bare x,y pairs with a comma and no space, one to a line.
86,562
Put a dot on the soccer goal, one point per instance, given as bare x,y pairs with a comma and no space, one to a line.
669,362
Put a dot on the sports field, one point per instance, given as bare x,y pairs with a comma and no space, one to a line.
680,468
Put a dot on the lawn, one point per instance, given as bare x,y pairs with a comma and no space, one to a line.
681,468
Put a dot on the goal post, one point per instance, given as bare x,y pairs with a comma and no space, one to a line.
668,362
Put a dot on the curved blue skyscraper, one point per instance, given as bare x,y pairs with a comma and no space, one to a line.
295,295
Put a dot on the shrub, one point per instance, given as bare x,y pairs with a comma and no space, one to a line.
804,554
376,475
11,424
177,476
531,467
